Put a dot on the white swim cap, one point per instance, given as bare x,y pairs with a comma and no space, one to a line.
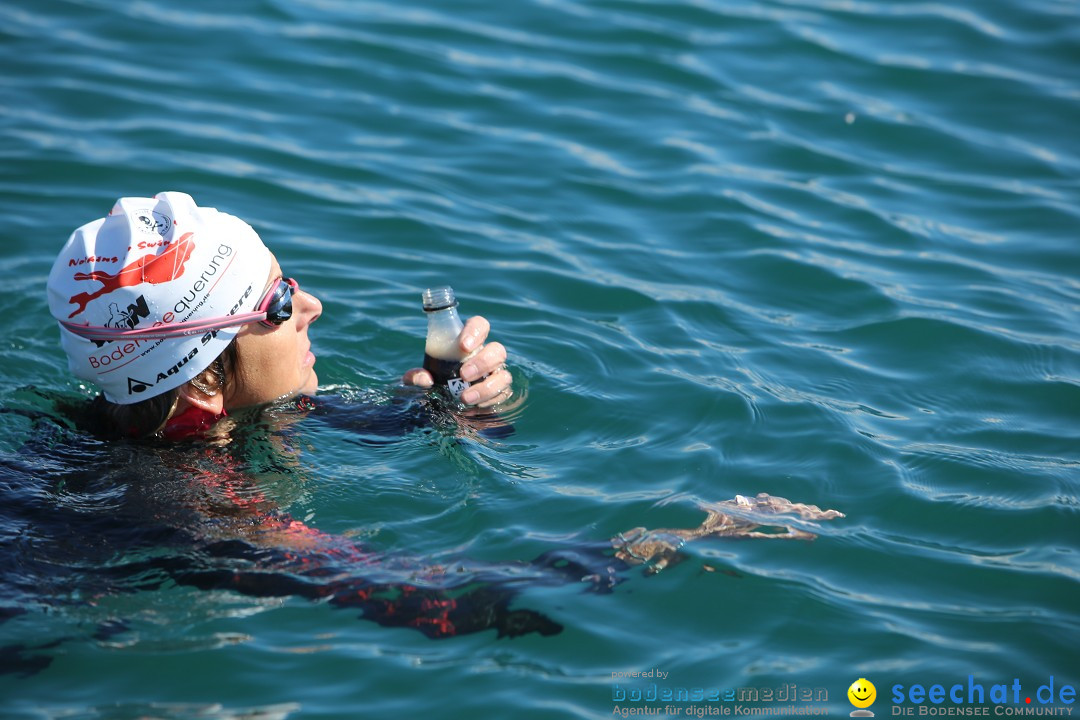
151,263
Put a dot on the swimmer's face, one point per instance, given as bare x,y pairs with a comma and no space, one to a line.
862,693
274,363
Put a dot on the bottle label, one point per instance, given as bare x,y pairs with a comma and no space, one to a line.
446,373
456,386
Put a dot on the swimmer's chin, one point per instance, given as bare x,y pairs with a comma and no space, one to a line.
310,387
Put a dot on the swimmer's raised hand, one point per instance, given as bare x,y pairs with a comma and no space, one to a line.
485,369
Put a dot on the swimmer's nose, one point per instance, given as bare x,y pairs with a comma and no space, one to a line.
310,308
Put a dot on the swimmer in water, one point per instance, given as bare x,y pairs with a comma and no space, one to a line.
181,316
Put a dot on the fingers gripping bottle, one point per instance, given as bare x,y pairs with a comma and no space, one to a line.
442,354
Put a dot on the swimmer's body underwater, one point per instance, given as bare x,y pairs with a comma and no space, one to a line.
182,316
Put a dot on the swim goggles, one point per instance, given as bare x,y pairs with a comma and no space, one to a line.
274,308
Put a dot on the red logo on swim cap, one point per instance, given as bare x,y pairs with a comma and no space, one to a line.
150,268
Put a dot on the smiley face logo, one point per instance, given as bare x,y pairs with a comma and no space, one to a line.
862,694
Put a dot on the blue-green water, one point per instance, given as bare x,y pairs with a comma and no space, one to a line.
824,250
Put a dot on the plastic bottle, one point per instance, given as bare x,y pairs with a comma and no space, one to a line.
442,354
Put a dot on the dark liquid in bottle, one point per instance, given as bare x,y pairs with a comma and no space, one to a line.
487,422
442,370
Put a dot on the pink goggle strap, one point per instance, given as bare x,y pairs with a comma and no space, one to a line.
164,332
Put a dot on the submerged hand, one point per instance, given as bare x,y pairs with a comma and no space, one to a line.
757,517
485,368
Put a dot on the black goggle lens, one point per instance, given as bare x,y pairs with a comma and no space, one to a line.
279,306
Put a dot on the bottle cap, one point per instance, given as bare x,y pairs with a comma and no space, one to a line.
439,298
